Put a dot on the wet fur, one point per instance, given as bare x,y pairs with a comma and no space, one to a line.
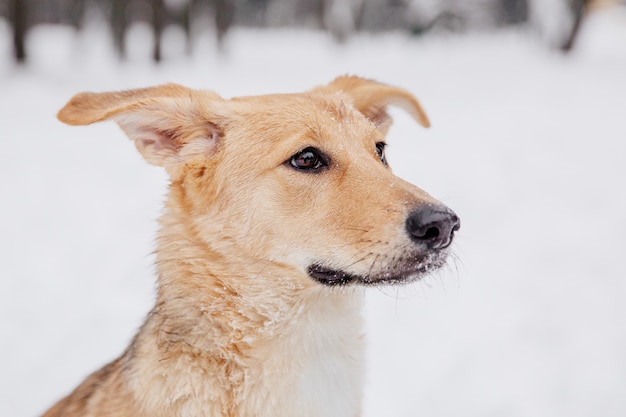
239,328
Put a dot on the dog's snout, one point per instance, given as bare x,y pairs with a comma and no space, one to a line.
433,226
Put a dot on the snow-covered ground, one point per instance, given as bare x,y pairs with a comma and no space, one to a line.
527,146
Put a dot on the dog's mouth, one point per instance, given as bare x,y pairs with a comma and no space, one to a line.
401,272
331,277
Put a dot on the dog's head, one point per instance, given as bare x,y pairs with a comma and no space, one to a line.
296,179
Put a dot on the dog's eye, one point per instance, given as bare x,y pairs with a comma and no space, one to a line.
380,150
309,159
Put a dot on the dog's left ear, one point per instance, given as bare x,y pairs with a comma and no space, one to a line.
372,99
167,123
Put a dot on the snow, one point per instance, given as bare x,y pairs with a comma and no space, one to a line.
527,146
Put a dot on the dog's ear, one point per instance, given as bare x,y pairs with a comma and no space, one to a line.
167,123
372,99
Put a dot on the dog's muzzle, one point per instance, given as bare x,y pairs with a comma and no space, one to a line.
430,227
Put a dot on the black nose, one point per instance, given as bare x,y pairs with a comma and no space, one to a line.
433,226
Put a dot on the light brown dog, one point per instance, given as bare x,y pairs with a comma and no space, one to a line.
281,208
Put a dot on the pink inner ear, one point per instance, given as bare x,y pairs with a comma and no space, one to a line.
167,138
157,145
152,137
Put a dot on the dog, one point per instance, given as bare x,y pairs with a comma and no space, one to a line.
280,211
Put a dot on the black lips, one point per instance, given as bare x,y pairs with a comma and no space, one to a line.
330,277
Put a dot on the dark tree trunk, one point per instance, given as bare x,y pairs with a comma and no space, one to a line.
158,23
76,13
119,23
579,8
18,10
514,11
224,16
185,21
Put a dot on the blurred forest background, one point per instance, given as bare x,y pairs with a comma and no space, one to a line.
557,21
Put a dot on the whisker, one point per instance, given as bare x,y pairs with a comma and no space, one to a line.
356,242
374,263
359,260
356,229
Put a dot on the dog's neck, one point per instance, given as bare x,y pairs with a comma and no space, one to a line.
271,333
229,291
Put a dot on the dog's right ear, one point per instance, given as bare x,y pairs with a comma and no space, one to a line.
372,99
167,123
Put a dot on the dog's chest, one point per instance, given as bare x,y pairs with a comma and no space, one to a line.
307,364
314,368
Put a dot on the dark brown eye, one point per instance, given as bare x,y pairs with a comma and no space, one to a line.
380,151
309,159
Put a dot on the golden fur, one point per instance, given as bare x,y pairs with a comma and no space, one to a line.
240,328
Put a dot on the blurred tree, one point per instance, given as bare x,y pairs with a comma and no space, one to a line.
341,18
224,17
158,22
119,23
578,8
76,13
513,11
18,10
